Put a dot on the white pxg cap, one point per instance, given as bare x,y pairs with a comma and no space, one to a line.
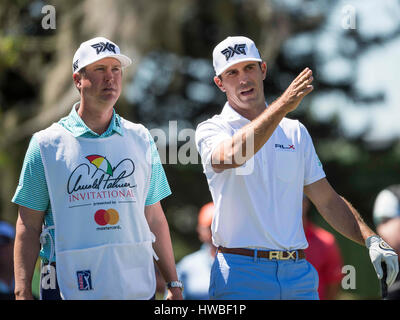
96,49
233,50
387,204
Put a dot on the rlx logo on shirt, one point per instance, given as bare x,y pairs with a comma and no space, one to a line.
289,147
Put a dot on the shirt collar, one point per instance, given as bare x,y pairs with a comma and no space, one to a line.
232,115
74,123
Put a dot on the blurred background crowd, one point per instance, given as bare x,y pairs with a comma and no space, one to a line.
353,114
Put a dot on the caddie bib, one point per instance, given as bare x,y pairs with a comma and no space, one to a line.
97,189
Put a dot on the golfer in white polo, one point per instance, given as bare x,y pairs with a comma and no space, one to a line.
258,164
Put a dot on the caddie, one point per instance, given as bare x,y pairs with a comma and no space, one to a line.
90,191
258,164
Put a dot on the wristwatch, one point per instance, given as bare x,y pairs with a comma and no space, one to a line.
175,284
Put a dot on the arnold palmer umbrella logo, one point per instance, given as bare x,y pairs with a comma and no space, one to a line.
101,163
97,173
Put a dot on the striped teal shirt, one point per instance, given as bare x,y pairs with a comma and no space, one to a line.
32,189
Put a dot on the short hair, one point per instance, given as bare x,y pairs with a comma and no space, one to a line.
82,72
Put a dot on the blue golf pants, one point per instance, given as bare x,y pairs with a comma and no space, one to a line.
241,277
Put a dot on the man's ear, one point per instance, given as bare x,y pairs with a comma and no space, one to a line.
264,69
218,82
77,80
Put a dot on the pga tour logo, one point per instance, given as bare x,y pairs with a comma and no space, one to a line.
84,279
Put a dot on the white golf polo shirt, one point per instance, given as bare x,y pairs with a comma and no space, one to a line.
260,203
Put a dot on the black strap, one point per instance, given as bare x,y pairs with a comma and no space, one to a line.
384,288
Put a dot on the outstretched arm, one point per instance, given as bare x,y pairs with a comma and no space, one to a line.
234,152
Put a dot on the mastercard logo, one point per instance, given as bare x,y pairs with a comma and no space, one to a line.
104,217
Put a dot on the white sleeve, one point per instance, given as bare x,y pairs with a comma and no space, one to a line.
313,170
209,134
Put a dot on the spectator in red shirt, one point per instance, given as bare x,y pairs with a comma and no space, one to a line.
324,254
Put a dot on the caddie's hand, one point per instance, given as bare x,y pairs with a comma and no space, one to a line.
298,89
380,251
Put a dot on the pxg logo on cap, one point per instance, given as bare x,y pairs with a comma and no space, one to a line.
238,49
103,46
233,50
96,49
